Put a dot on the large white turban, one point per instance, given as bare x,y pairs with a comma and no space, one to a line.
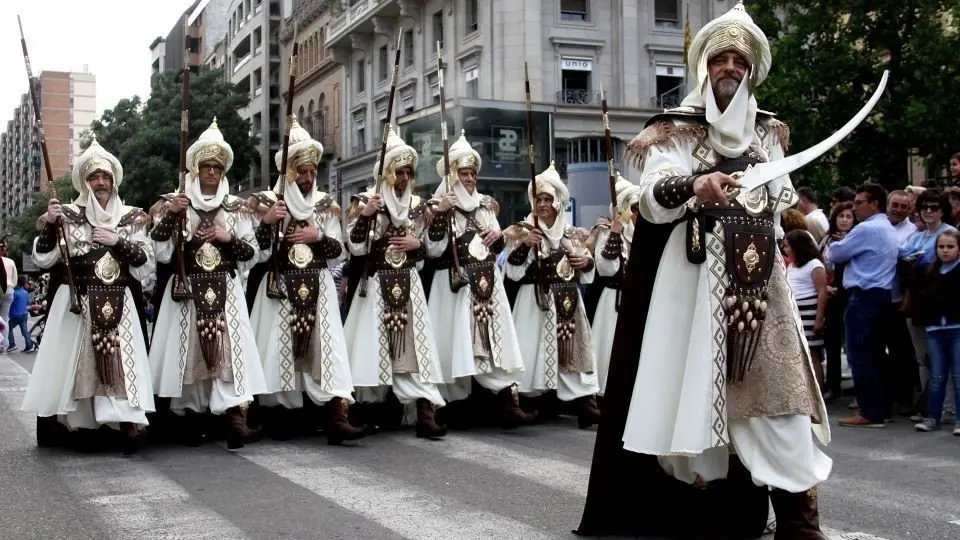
96,158
301,150
462,156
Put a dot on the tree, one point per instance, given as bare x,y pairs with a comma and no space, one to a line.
23,228
146,137
828,56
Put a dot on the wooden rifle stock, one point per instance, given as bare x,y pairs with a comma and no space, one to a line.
457,280
379,179
75,306
608,146
273,278
180,290
539,291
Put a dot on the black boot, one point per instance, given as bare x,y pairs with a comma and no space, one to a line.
427,427
131,437
237,432
587,412
511,415
798,517
339,428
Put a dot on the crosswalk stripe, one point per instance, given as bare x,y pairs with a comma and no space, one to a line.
407,511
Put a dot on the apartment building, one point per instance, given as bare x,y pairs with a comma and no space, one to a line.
317,93
633,48
68,103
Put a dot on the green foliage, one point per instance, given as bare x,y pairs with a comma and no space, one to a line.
145,137
829,55
23,228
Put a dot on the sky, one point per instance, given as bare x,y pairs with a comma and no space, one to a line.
111,38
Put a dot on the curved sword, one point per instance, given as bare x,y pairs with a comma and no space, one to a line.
762,173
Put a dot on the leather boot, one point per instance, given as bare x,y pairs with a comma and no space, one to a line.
427,427
194,428
511,415
131,436
238,433
588,414
339,428
797,515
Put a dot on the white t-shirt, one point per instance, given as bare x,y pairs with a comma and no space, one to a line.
801,279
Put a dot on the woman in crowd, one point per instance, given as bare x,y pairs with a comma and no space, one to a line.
842,220
808,281
940,298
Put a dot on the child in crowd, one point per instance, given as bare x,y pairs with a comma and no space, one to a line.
941,313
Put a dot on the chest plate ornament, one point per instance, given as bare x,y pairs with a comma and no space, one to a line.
300,255
208,257
107,269
477,249
564,270
395,259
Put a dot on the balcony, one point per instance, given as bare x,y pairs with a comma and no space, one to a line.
666,101
571,96
358,149
358,17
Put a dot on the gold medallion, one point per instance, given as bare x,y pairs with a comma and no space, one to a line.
303,291
396,291
395,258
208,257
107,310
567,303
751,258
477,249
483,284
564,270
300,255
107,269
210,296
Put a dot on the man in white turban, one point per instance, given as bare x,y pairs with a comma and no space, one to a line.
93,370
723,387
551,322
208,360
611,250
392,342
299,331
479,341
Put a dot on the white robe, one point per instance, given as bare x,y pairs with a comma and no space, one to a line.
452,312
605,317
674,406
534,340
285,385
174,322
51,387
363,328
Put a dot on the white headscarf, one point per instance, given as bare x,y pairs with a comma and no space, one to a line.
627,195
462,156
302,149
96,158
730,132
398,155
210,146
549,182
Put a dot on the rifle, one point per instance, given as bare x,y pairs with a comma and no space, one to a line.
273,278
180,290
538,284
608,147
75,306
457,281
383,155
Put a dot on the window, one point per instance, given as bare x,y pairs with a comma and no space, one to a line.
382,117
472,15
471,76
666,13
359,134
384,61
575,81
408,48
361,83
573,10
669,86
434,90
437,29
409,103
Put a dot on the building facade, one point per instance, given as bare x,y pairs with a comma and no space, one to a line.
68,104
633,48
317,93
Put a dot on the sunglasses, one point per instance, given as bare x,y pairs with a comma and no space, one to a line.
930,208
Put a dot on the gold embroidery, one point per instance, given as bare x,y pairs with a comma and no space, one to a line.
695,237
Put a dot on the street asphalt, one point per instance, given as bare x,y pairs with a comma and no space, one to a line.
891,484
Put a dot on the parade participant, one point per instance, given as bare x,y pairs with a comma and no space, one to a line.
725,388
392,343
300,336
480,340
209,358
95,370
553,330
611,252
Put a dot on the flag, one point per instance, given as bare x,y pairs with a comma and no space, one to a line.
686,39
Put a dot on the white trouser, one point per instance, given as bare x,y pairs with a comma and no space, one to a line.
407,389
293,399
570,386
101,410
214,394
495,381
778,451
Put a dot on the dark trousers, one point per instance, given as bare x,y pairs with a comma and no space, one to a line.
868,310
901,376
833,340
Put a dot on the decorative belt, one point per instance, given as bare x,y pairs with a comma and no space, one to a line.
99,268
208,258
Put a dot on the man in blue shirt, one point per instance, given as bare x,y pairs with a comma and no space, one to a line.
871,250
19,315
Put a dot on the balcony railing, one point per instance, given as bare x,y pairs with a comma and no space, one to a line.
358,149
242,62
667,101
578,97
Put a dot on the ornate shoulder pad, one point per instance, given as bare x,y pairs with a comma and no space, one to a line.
516,232
73,213
576,233
490,203
259,202
135,216
664,130
357,202
327,204
233,204
591,242
159,207
418,207
781,130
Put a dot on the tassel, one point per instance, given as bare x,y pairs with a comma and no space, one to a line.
211,340
106,349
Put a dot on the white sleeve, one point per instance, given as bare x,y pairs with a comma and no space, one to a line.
605,267
671,158
331,228
146,271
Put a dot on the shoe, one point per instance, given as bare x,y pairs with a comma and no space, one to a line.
927,425
238,433
853,404
588,414
859,421
511,415
339,428
916,418
13,349
30,350
798,515
956,430
427,426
